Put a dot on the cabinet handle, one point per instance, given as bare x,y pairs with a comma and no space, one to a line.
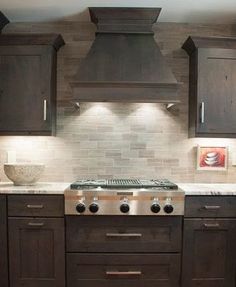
35,206
211,207
124,273
124,235
211,225
45,110
36,224
202,111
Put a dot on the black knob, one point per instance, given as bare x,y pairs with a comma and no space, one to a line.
168,208
93,207
155,208
124,208
80,207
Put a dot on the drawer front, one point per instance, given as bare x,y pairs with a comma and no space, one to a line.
210,206
123,234
132,270
36,205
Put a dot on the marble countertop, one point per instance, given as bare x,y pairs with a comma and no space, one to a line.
39,188
60,187
208,188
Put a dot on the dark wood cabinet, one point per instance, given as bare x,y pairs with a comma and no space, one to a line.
28,84
3,243
114,251
36,252
116,270
212,101
209,250
36,205
209,253
128,234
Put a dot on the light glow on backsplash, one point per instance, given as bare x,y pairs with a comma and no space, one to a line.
115,140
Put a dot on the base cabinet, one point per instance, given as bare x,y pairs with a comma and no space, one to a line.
36,252
116,270
3,243
209,253
130,251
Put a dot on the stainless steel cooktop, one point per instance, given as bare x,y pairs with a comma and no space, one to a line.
124,197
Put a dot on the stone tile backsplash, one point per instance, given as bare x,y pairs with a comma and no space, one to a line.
115,140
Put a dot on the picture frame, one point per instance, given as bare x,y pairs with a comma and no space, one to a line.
212,158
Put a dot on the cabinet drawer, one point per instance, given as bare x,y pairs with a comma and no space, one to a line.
115,270
123,234
36,205
210,206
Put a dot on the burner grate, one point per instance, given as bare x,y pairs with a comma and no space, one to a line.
123,182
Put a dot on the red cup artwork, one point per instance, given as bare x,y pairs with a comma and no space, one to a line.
212,158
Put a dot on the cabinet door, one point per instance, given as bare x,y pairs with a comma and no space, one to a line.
216,91
3,243
36,252
26,89
209,253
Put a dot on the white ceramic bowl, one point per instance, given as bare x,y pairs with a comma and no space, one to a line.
24,173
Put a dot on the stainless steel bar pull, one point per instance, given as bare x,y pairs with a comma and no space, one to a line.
212,207
124,273
123,235
45,110
35,206
36,224
211,225
202,113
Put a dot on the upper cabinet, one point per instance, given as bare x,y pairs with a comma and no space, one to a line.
28,83
3,21
212,90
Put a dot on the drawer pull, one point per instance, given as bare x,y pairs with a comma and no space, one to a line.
212,207
124,273
211,225
36,224
124,235
35,206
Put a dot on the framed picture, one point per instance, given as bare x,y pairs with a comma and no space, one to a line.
212,158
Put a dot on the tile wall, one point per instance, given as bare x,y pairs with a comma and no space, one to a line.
115,140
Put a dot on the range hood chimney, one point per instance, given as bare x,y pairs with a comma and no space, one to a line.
124,63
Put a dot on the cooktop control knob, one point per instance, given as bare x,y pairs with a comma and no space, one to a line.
155,207
94,207
168,208
80,207
124,207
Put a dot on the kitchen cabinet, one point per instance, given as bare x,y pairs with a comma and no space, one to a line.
36,244
115,270
28,83
3,243
136,251
209,249
212,74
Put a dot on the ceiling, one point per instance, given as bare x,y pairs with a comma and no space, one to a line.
201,11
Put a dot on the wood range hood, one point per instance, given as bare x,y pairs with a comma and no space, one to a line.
124,63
